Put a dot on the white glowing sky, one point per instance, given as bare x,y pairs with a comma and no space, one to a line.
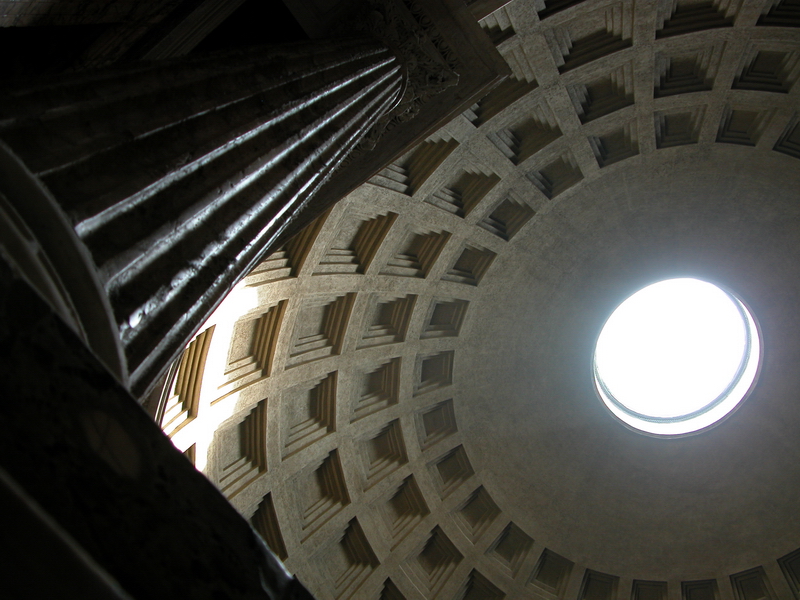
671,348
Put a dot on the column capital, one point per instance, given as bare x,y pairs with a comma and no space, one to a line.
430,66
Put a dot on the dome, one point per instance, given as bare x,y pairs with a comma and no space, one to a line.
401,399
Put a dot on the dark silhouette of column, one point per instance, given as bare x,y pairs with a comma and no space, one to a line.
97,502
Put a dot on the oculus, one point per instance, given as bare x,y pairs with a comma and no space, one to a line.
676,357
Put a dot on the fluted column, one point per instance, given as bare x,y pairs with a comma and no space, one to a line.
175,176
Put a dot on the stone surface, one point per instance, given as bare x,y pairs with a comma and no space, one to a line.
471,450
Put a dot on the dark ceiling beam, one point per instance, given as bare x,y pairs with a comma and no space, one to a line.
483,8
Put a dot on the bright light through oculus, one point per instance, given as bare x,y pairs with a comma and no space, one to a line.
676,357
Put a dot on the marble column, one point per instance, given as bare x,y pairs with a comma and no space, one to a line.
155,187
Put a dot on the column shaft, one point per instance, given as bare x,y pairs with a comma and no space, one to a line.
177,175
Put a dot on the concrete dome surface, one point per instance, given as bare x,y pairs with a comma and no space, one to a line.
401,399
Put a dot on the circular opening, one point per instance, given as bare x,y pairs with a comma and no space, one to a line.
676,357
